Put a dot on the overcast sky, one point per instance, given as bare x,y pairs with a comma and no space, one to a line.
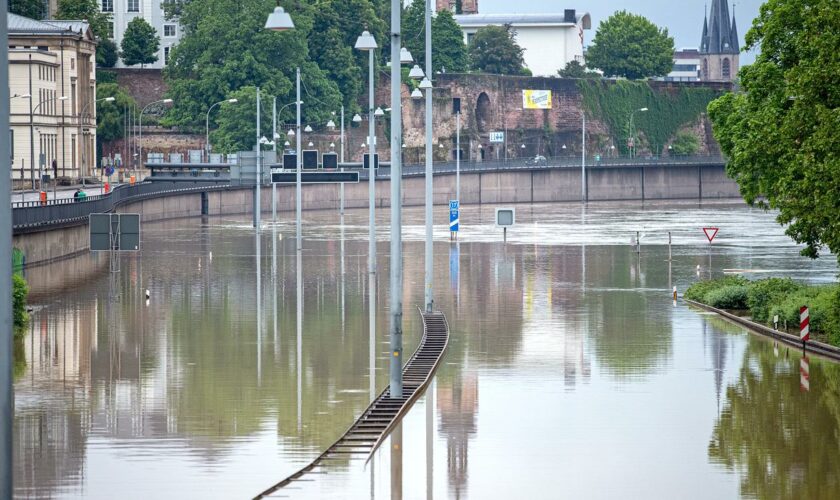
683,18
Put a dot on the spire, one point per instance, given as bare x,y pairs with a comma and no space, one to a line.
704,39
736,44
720,30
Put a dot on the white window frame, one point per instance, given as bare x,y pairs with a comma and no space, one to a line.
136,4
107,5
174,30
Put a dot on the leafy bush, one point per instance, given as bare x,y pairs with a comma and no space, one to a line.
19,293
728,297
822,308
698,291
762,294
685,143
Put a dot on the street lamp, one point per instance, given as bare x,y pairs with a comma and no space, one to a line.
405,56
279,20
32,137
308,129
416,73
207,124
140,140
633,131
357,118
416,94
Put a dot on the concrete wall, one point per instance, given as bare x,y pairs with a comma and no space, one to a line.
524,186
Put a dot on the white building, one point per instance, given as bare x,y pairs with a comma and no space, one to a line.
550,41
123,11
686,68
52,85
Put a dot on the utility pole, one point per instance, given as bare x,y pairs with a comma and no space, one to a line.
429,183
7,401
257,204
396,204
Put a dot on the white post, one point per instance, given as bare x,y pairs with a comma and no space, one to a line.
372,207
298,166
257,204
458,158
341,186
396,205
583,160
429,274
274,147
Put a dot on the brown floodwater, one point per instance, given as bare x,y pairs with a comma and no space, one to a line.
570,372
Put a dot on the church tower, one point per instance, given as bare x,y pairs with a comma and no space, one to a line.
719,46
458,6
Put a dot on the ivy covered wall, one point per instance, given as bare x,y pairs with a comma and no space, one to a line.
668,109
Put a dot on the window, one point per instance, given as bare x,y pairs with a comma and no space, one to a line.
107,5
133,6
169,30
72,63
109,30
166,54
727,70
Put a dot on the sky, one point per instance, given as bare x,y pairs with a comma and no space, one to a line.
683,18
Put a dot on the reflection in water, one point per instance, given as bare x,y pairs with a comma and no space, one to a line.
118,394
396,439
783,441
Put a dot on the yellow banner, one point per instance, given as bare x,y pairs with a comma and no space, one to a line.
536,99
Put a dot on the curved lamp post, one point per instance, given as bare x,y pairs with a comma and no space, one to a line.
140,139
207,125
32,136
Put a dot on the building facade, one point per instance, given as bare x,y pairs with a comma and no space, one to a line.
687,64
458,6
52,84
719,45
550,41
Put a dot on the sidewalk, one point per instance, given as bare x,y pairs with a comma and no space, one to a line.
62,192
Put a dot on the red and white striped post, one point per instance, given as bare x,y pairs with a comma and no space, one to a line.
804,325
805,374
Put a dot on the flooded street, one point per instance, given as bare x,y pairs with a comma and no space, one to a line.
569,374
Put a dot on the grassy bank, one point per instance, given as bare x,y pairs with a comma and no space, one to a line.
20,291
767,298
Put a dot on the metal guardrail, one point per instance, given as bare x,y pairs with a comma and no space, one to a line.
28,216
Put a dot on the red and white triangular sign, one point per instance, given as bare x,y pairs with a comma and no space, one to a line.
711,232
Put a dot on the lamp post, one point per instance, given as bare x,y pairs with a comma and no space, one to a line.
207,125
429,272
32,138
366,42
140,139
633,131
7,405
583,159
276,136
81,120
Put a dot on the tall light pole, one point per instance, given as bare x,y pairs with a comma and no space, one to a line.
32,139
7,402
633,131
366,42
82,119
257,200
429,281
140,138
207,125
583,158
276,136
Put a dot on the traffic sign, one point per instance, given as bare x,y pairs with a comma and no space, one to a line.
711,232
111,231
497,137
454,215
315,177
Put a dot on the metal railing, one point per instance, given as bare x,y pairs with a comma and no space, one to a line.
33,215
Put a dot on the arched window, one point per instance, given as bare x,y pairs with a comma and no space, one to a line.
482,112
727,70
705,69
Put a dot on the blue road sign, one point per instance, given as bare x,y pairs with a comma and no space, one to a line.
454,214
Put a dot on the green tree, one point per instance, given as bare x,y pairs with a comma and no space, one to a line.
236,129
630,46
685,143
780,133
85,9
106,54
448,49
225,47
110,115
140,43
33,9
493,49
575,69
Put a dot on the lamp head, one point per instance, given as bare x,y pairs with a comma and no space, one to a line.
378,112
357,118
366,41
330,124
310,144
233,101
416,73
167,101
416,94
279,20
291,133
643,109
307,129
405,56
425,84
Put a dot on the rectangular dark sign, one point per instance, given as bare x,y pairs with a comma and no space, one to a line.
289,161
310,159
330,160
375,160
315,177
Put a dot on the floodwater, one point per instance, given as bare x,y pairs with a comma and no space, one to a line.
570,372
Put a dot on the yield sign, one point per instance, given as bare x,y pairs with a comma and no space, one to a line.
711,232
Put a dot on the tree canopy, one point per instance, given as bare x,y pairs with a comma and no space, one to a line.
33,9
110,115
628,45
140,43
780,131
85,9
449,50
574,69
493,49
107,54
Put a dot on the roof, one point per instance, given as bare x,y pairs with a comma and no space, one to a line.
19,24
477,20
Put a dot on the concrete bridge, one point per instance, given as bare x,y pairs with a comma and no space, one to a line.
59,229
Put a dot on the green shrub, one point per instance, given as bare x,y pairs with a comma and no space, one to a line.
698,291
727,297
19,293
764,293
822,308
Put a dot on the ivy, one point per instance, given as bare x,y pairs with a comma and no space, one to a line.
668,109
